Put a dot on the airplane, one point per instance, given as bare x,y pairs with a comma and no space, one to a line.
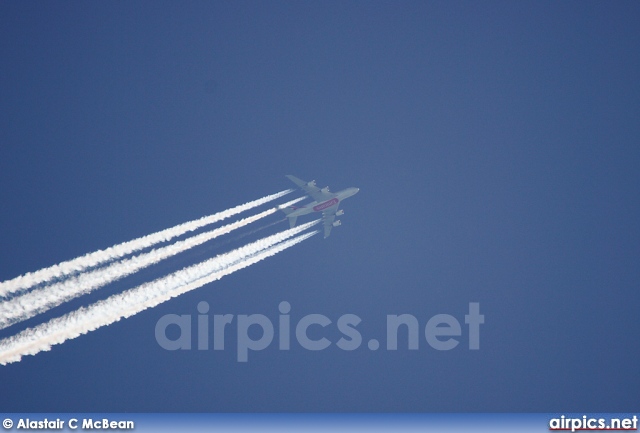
324,201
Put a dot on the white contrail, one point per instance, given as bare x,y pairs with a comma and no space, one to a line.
89,260
44,298
133,301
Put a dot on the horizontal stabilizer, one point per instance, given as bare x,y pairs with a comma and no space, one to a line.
292,221
288,210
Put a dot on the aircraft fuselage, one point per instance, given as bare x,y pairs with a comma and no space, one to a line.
323,206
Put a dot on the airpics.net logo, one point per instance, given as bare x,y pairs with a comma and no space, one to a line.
256,332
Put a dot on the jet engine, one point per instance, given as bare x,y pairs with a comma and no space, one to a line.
340,212
325,190
312,183
337,223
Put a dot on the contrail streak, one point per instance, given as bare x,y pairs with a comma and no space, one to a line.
34,340
96,258
245,234
44,298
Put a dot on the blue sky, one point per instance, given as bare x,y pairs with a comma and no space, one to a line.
495,145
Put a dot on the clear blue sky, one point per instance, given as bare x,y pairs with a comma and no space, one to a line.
495,145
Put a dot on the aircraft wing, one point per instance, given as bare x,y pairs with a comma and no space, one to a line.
327,220
311,189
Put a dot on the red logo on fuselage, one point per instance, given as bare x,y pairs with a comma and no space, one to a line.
326,204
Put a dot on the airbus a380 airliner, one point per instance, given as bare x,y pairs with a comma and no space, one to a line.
324,201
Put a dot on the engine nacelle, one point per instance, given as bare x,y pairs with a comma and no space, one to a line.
312,183
337,223
325,190
340,212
